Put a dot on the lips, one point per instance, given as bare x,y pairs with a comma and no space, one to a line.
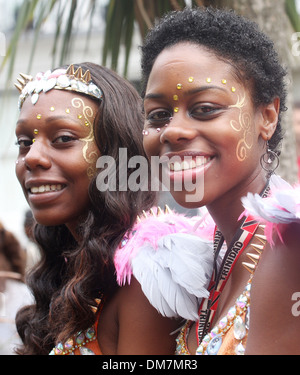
46,188
42,186
189,162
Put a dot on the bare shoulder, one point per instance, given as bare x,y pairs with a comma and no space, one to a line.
142,329
274,316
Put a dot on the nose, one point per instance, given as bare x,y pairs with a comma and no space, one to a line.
38,156
179,130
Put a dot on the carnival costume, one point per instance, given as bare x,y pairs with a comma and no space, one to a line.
180,262
171,257
272,213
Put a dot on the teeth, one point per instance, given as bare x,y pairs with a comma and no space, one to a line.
45,188
190,164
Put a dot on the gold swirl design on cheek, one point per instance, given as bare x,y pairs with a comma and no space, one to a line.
243,126
89,156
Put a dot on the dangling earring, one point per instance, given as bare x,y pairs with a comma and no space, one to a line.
269,161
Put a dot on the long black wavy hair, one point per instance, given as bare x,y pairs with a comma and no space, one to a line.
232,38
71,275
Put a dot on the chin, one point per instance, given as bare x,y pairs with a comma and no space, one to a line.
188,200
48,220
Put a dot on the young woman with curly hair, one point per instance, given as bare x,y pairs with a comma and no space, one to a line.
214,93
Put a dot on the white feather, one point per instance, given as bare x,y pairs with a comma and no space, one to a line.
190,261
283,206
174,277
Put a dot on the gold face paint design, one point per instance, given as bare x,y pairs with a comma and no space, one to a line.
88,115
243,126
191,79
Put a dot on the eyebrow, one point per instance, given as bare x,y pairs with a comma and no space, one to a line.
67,118
187,93
52,119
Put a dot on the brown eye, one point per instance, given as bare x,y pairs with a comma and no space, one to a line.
23,143
64,139
206,112
159,117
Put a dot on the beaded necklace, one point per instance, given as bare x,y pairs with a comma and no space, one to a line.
243,235
209,305
213,340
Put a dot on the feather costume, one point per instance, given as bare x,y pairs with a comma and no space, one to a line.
172,258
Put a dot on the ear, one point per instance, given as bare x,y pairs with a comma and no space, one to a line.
269,121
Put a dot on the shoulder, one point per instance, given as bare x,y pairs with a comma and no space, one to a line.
138,319
275,294
275,288
171,257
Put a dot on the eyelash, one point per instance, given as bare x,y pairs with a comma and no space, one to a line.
208,112
19,141
70,138
28,142
162,120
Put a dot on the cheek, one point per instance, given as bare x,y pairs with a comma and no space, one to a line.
151,143
19,170
89,155
80,187
244,133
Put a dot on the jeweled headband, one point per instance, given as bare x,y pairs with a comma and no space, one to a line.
60,79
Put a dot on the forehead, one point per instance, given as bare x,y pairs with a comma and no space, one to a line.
55,100
189,59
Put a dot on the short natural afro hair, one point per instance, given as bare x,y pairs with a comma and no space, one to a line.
232,38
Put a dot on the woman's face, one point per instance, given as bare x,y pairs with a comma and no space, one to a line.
200,118
57,155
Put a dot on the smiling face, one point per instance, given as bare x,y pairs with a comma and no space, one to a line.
56,154
196,109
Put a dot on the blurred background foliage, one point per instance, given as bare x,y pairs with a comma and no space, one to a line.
121,16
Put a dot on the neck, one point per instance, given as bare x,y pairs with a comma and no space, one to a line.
73,227
227,210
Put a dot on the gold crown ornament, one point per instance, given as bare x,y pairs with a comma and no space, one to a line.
59,79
